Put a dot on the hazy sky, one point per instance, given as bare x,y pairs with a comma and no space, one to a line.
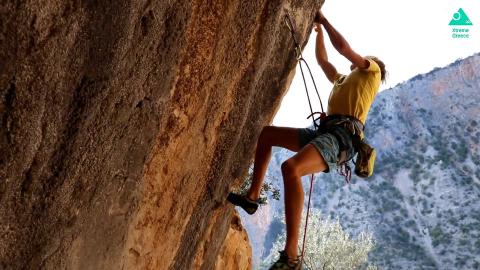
411,37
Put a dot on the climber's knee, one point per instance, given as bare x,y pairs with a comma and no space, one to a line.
290,170
266,135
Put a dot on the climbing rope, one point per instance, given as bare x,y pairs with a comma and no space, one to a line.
299,56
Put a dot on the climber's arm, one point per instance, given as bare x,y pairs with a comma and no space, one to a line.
321,54
341,45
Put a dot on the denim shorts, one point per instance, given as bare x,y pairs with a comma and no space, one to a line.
326,144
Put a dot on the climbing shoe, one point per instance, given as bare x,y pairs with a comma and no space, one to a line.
241,200
285,263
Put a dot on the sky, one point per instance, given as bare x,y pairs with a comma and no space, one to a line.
411,37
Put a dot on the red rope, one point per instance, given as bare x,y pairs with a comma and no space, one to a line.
306,219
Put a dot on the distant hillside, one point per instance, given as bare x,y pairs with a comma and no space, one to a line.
422,205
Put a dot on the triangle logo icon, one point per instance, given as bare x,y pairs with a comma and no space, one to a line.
460,18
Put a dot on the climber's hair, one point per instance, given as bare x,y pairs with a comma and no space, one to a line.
380,63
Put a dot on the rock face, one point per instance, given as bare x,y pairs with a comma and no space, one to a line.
236,252
123,125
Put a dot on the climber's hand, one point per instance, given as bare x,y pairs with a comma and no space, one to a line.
319,17
317,27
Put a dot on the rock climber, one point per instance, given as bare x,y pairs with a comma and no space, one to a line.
316,151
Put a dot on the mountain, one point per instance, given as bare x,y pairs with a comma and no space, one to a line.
421,204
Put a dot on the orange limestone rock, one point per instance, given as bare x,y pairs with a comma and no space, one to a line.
124,124
236,252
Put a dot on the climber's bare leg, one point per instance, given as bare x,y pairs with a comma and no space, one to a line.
270,136
307,161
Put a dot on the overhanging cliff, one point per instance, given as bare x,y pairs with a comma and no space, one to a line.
124,125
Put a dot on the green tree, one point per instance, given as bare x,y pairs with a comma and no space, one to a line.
328,246
268,188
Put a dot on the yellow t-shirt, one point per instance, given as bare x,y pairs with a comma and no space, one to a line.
354,94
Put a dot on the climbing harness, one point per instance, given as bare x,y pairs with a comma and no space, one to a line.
322,115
